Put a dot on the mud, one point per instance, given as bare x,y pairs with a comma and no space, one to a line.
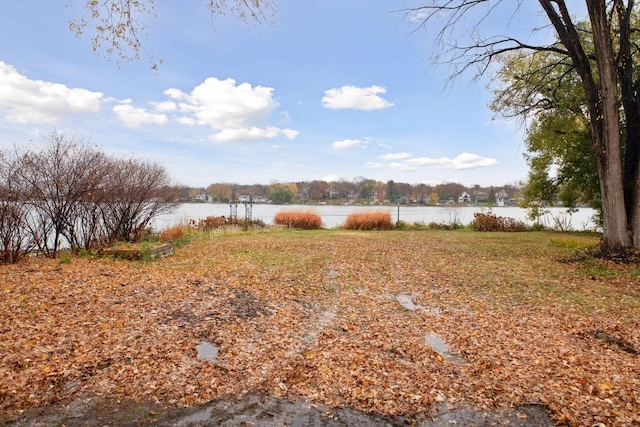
258,410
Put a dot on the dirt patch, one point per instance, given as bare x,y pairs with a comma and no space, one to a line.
257,410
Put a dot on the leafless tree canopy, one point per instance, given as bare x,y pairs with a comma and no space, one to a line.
118,27
71,194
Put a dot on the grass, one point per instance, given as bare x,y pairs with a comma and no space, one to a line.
503,267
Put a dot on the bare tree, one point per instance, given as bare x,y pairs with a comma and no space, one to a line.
58,181
70,194
136,191
14,238
607,73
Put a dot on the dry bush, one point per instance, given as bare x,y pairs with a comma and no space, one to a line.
490,222
210,223
174,233
306,220
444,225
369,221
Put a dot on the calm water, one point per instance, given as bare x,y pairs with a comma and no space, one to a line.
333,216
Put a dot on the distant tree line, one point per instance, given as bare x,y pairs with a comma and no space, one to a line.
71,194
358,191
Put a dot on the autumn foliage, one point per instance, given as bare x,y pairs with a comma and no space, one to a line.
369,221
491,222
318,317
305,220
176,232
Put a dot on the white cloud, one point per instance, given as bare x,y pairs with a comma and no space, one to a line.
236,112
402,167
404,162
461,161
471,161
331,178
347,143
184,120
23,100
250,134
428,161
290,133
134,117
374,165
418,16
358,98
165,107
395,156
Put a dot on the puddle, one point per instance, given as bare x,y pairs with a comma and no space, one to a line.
406,300
197,417
442,348
207,351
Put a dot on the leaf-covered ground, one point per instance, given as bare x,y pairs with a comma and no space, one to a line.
348,319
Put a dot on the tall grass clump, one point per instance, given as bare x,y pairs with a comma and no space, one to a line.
176,234
305,220
490,222
369,221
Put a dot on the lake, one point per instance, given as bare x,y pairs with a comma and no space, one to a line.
334,216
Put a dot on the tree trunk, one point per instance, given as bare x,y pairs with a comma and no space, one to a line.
606,135
629,88
603,103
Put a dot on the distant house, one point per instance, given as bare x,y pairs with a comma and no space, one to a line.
464,197
482,197
203,197
252,199
501,197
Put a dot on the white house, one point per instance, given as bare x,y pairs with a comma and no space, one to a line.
501,197
464,197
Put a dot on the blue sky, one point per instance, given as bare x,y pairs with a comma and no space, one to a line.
331,90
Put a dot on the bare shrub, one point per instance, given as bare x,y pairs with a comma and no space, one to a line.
490,222
369,221
444,225
306,220
69,194
136,191
57,182
14,238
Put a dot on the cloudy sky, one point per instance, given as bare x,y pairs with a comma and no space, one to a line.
331,90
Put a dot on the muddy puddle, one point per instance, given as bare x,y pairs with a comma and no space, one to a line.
406,300
207,351
441,347
262,411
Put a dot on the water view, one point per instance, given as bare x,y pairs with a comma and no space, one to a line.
334,216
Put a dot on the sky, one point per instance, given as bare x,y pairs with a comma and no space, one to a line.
329,90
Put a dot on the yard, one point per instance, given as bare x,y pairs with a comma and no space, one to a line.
405,326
